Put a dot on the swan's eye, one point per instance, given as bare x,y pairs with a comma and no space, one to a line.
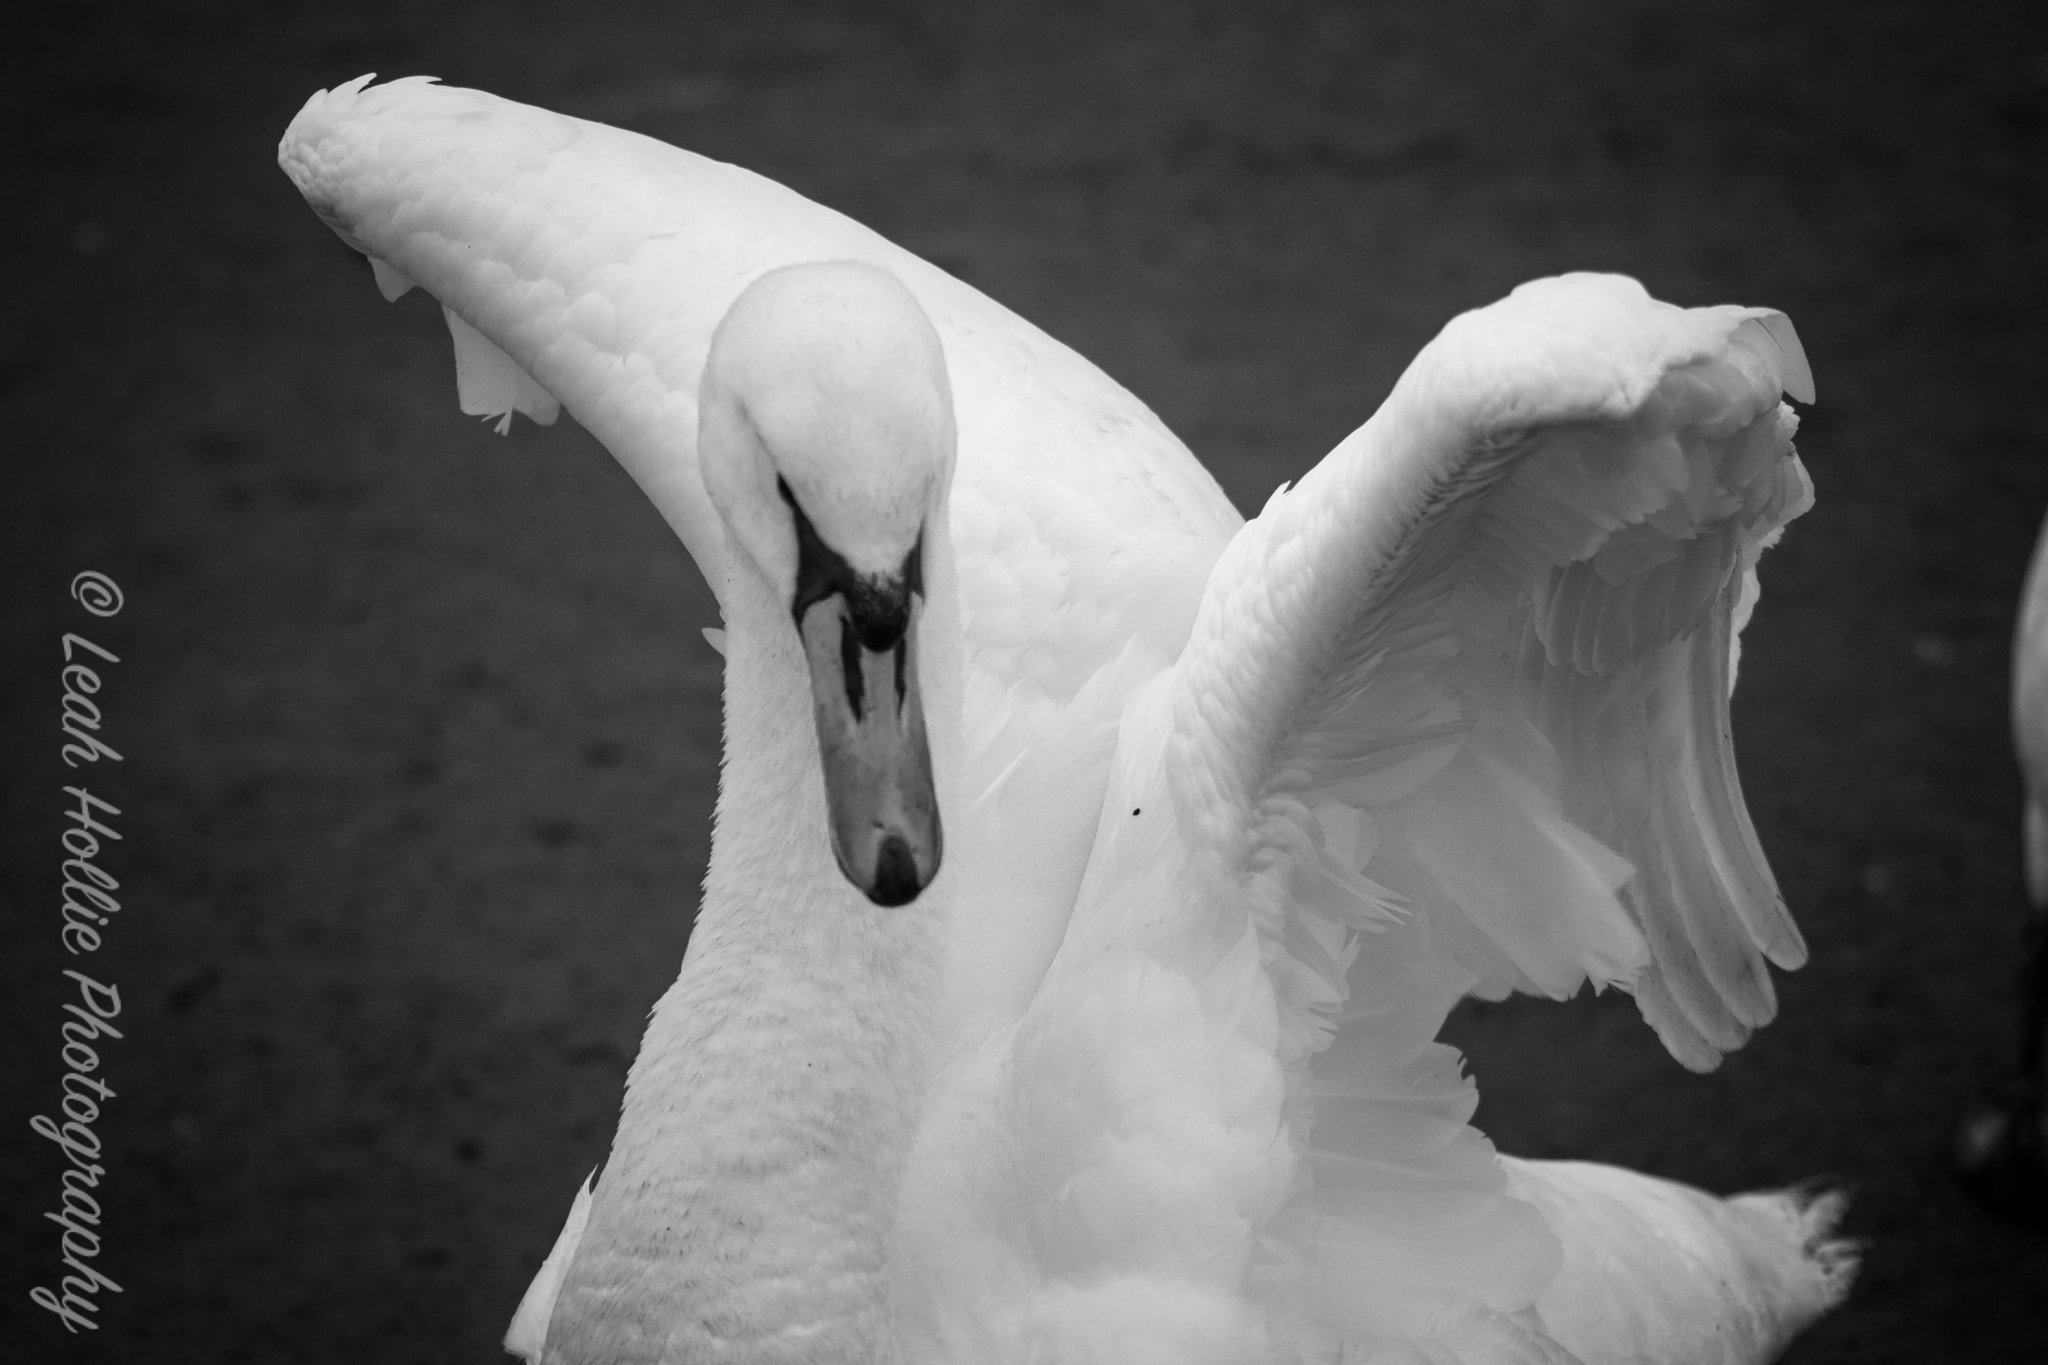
821,571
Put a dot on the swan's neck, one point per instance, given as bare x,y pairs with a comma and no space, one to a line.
748,1205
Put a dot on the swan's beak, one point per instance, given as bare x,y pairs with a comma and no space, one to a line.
871,740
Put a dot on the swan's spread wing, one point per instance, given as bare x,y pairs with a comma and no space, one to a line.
592,264
1475,669
1453,717
589,265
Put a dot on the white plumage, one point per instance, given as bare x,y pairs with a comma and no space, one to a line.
2001,1149
1234,814
2030,719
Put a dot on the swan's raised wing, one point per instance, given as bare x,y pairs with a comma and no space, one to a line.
586,266
1476,667
1453,718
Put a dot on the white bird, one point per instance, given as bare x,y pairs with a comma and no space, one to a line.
2001,1150
1227,816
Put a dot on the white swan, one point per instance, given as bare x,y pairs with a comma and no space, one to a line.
2001,1150
1147,1071
2030,735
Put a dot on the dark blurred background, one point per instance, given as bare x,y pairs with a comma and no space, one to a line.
420,737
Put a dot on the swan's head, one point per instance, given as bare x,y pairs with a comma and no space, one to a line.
826,442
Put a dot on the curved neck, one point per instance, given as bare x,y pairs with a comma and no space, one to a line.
747,1208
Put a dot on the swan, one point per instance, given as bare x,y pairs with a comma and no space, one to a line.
2001,1150
1087,1011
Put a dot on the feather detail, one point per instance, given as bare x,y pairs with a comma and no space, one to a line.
490,383
527,1334
1657,1270
392,283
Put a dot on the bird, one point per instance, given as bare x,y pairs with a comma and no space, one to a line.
1086,1009
2000,1154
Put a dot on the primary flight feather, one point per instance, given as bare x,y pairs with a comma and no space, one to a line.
1142,1067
